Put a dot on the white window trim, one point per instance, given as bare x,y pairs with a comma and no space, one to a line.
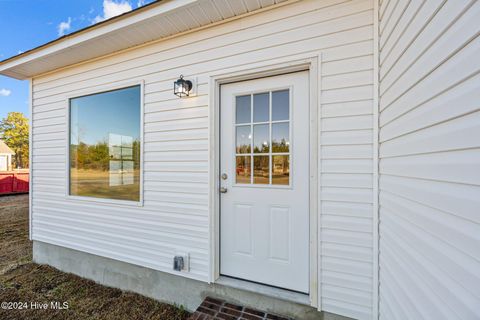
97,90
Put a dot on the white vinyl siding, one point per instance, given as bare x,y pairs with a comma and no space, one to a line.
429,160
175,215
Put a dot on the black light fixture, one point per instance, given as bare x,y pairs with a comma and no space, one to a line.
182,87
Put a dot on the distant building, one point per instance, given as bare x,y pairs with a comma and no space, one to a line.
5,157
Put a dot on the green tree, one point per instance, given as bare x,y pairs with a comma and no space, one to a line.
14,131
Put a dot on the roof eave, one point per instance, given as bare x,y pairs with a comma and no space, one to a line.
11,67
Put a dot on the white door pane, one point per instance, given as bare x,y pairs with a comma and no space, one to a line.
243,109
280,137
280,105
261,107
244,139
261,138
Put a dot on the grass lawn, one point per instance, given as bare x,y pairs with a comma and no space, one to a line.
27,282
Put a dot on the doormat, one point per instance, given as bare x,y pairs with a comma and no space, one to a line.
217,309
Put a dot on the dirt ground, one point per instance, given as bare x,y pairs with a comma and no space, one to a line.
28,286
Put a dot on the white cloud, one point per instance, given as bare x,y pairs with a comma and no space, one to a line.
64,26
19,52
140,3
112,8
5,92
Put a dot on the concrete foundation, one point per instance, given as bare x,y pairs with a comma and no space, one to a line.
162,286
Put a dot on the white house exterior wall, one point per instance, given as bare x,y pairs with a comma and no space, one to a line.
175,214
429,159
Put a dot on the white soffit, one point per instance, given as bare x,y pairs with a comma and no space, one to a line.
158,20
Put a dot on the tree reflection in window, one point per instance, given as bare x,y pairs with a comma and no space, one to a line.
105,145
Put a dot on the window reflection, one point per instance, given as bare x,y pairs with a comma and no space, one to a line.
105,145
243,169
243,110
269,128
261,170
121,159
280,105
280,137
280,170
261,108
261,138
244,139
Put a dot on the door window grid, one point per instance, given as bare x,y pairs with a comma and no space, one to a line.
246,156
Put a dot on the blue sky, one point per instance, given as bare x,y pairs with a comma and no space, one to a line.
26,24
119,114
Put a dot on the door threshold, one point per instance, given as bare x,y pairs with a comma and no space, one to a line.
274,292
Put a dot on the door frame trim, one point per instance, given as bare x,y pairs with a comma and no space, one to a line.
310,62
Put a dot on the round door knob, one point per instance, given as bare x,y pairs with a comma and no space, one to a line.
223,190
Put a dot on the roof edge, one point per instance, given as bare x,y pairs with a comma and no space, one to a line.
5,149
98,29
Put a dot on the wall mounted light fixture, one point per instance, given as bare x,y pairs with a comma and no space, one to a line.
182,87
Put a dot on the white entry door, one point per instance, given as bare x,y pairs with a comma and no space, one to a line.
264,169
